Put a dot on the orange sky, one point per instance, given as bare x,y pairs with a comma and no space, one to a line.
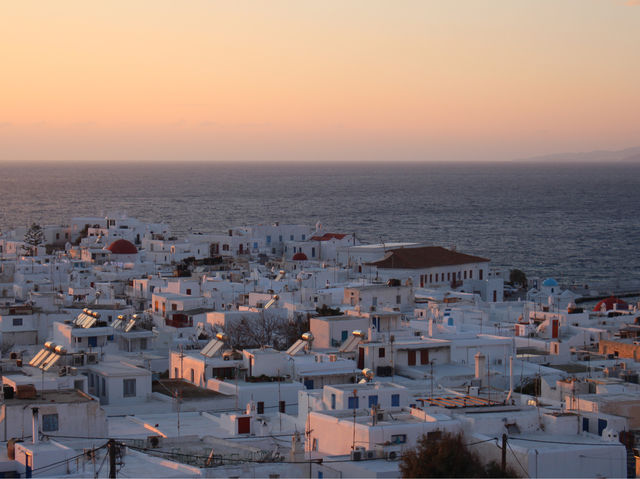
303,80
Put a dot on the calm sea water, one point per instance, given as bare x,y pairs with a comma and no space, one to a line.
578,223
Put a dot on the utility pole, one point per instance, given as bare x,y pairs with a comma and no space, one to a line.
111,447
432,378
355,398
504,455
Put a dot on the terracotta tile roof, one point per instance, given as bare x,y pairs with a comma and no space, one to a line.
425,257
328,236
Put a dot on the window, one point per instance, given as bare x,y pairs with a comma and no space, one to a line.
175,373
193,376
395,400
304,237
291,237
431,278
17,321
374,301
373,400
481,272
128,388
448,276
353,402
280,238
333,401
49,422
470,274
268,239
465,274
398,438
225,247
398,299
188,291
381,353
313,252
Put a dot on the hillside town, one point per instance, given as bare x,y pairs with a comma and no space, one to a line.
291,350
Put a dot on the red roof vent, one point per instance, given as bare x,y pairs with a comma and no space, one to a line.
300,257
122,246
609,304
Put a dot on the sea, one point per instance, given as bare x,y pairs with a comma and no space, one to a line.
578,223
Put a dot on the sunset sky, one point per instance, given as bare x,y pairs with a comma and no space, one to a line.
305,80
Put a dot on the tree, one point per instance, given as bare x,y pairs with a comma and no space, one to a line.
325,310
517,276
33,237
447,456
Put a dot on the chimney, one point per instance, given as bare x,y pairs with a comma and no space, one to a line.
34,425
480,365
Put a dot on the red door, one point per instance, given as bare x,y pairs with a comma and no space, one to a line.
412,357
424,356
244,425
360,358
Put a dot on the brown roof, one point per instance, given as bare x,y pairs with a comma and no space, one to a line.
425,257
328,236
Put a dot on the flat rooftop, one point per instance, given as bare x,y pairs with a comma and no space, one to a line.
59,397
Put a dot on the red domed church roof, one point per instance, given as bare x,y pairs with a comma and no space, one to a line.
609,302
299,257
122,246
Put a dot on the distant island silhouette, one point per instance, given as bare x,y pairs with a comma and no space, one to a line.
630,155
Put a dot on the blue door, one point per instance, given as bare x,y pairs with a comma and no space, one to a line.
308,383
602,423
585,424
373,400
93,341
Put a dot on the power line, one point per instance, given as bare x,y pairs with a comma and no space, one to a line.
526,473
53,464
565,442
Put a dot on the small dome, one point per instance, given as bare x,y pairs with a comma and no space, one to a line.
300,257
550,282
122,246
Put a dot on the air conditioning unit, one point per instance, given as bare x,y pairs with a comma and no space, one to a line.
357,454
392,455
153,441
369,454
92,358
